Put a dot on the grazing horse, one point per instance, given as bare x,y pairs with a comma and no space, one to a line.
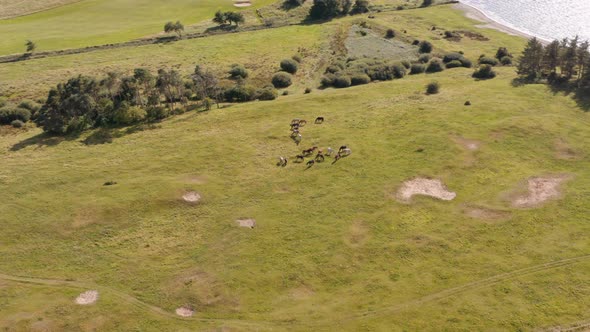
282,162
319,120
299,158
345,152
302,123
295,126
319,157
294,133
309,151
329,151
342,148
297,138
310,163
295,121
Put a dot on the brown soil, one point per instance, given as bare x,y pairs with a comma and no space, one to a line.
88,297
249,223
478,212
191,197
185,311
540,190
425,187
242,3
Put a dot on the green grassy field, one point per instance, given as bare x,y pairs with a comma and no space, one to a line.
96,22
332,249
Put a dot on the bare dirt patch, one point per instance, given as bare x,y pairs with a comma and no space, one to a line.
242,3
486,214
249,223
540,190
88,297
424,187
185,311
192,197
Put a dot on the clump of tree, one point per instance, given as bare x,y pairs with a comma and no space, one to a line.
558,62
175,27
360,7
454,60
327,9
229,17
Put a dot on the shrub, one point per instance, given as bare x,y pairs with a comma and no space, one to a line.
506,61
390,34
17,124
452,57
307,90
416,42
451,34
238,71
267,93
457,57
484,72
488,61
328,80
281,80
424,58
2,102
297,58
9,114
466,63
129,115
342,81
417,68
454,64
333,69
360,79
29,105
425,47
290,66
432,88
285,93
502,52
240,93
156,113
399,71
406,64
435,66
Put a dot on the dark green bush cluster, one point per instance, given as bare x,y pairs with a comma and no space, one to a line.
290,66
390,34
417,68
504,56
8,114
432,88
484,60
454,60
344,73
281,80
484,72
237,71
435,66
425,47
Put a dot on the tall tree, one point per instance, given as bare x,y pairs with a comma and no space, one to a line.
530,60
583,57
235,17
551,56
220,18
177,27
569,58
325,9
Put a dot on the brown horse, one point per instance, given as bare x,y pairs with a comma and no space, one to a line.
319,120
309,151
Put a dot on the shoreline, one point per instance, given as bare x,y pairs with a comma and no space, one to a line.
489,23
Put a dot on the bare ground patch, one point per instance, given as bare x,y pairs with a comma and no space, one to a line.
424,187
540,190
246,222
185,311
486,214
88,297
191,197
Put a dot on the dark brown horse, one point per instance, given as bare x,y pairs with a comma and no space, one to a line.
309,151
319,120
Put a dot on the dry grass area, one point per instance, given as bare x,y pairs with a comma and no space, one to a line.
14,8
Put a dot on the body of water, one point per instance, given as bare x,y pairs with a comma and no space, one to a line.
546,19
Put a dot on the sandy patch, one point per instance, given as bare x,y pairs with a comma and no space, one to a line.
540,190
425,187
249,223
185,311
468,144
191,197
482,213
88,297
241,4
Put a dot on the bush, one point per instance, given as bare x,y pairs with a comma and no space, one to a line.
156,113
457,57
238,71
416,42
452,57
333,69
360,79
307,90
406,64
417,68
9,114
399,71
506,61
435,66
129,115
502,52
328,80
484,72
17,124
390,34
240,93
432,88
267,93
297,58
281,80
425,47
466,63
424,58
2,102
454,64
451,34
488,61
285,93
29,105
290,66
342,81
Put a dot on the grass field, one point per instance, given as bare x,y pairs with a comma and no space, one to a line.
12,8
333,249
96,22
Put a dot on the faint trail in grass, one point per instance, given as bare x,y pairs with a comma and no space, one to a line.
478,284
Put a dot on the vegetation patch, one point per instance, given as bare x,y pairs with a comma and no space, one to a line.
363,42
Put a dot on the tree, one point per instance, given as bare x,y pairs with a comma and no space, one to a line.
170,84
220,18
31,46
177,27
205,83
530,60
427,3
235,17
360,7
502,52
551,56
569,58
324,9
583,57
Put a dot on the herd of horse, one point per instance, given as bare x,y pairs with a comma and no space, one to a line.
320,156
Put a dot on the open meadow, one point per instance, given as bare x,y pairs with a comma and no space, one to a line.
347,245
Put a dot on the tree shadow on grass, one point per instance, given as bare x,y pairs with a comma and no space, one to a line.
108,135
41,140
580,95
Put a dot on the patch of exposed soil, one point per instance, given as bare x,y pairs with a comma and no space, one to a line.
88,297
185,311
483,213
249,223
191,197
540,189
425,187
242,3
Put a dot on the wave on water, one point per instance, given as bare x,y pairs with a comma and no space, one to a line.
545,19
